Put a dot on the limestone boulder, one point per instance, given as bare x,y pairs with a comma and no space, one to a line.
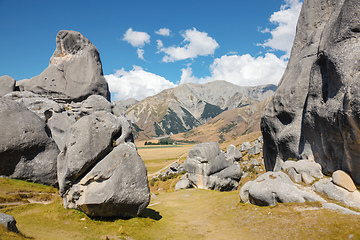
74,72
233,153
7,84
271,188
315,111
342,179
8,221
115,186
208,168
326,186
246,146
89,140
27,150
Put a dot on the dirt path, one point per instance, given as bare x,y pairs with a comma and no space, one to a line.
166,167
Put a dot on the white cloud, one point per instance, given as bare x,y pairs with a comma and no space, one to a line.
186,76
136,83
282,37
159,44
163,32
197,44
135,38
243,70
140,53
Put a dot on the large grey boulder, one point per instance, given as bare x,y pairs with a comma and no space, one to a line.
315,111
8,221
89,140
271,188
99,169
7,84
27,150
74,72
208,168
116,186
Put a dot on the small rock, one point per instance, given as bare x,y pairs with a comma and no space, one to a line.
233,153
8,221
245,146
342,179
183,184
256,149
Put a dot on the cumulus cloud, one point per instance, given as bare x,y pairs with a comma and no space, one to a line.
136,83
196,44
140,53
163,32
135,38
282,37
159,44
186,76
243,70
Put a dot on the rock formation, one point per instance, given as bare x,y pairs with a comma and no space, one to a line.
208,168
27,150
315,111
274,187
74,72
62,129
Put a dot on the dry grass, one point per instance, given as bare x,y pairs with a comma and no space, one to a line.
158,157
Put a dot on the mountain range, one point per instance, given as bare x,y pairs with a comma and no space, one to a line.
189,105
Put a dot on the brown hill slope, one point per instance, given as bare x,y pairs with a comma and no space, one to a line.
228,125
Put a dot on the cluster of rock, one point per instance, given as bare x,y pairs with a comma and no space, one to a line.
210,168
283,186
314,113
252,148
62,130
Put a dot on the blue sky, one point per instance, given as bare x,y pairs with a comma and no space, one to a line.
147,46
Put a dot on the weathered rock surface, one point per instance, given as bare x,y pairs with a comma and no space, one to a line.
271,188
342,179
208,168
302,171
327,187
116,186
27,150
8,221
246,146
315,111
233,153
90,139
7,84
74,72
256,149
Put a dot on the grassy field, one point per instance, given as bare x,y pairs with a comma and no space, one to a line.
187,214
159,157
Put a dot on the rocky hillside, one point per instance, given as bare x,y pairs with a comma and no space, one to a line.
227,125
190,105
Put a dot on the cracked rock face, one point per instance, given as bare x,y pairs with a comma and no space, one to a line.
208,168
74,72
99,169
315,111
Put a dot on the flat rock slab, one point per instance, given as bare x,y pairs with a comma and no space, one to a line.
342,179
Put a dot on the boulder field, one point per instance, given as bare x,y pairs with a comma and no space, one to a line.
61,130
